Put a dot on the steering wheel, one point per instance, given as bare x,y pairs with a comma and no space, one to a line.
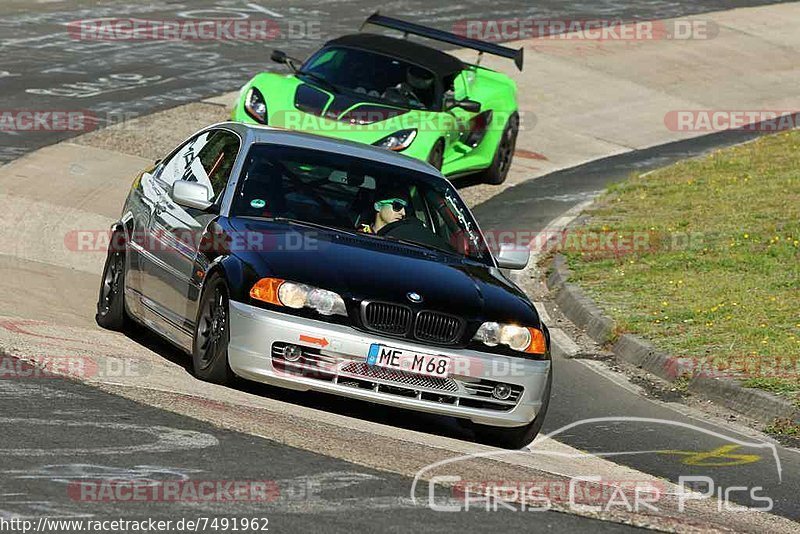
407,91
412,229
403,90
395,226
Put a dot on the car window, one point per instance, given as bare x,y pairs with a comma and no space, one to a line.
175,166
377,77
216,158
207,159
326,57
341,192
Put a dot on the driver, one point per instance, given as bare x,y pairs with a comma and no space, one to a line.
419,79
421,83
386,211
417,88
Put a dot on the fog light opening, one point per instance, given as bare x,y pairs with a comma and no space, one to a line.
501,392
292,353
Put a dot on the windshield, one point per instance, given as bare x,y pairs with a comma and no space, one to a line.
356,195
375,76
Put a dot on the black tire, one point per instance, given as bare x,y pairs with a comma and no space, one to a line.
517,437
111,313
496,173
436,157
212,333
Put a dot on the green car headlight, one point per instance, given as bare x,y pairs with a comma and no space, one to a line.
398,140
255,106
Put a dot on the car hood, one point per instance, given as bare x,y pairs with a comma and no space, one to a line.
370,268
343,107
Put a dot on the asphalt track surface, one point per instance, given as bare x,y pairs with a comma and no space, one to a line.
58,434
45,67
38,54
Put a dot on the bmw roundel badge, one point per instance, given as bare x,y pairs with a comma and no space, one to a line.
414,297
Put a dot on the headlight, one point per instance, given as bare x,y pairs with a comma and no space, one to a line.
398,140
325,302
294,295
521,338
255,106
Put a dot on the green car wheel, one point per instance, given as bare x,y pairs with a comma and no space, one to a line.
498,171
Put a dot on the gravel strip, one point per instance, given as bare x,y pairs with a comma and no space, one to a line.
152,136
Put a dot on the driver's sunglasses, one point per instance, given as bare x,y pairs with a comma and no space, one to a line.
397,203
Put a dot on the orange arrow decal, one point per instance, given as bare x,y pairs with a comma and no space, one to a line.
322,342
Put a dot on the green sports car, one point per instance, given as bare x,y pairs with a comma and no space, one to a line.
395,93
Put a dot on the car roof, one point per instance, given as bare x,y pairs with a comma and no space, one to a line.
436,61
252,134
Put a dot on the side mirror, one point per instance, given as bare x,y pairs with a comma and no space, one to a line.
278,56
511,256
191,195
469,105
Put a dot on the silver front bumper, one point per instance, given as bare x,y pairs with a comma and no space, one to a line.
334,361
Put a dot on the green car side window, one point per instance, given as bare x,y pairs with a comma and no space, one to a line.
324,58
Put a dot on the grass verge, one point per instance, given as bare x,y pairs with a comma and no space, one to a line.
702,258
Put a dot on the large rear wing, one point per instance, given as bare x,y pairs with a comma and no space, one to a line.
446,37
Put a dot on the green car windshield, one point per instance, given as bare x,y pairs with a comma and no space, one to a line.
340,192
377,77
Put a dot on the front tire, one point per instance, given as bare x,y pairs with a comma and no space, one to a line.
497,172
212,333
111,312
517,437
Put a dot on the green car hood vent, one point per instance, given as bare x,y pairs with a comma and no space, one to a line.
341,107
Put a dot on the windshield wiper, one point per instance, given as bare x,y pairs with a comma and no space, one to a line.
313,225
299,222
420,245
322,81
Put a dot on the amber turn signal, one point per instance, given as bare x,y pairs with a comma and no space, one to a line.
538,344
266,290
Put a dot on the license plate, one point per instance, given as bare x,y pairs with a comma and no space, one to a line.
409,361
